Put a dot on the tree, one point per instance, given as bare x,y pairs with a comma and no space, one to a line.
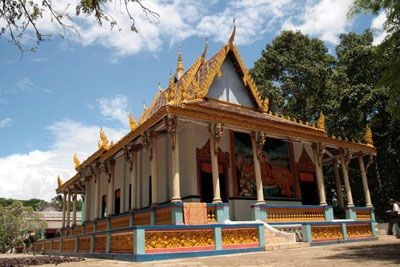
389,49
15,222
19,16
294,72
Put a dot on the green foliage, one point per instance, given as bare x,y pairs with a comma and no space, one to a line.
301,79
15,222
389,50
293,72
34,203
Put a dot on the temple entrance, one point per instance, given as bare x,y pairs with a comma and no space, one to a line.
206,185
204,174
309,190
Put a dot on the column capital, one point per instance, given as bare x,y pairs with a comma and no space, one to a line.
216,131
171,124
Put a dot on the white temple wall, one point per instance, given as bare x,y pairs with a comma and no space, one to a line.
103,190
126,187
145,173
91,199
230,87
119,176
161,167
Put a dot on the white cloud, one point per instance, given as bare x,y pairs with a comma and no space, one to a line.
377,27
33,174
115,108
325,19
6,122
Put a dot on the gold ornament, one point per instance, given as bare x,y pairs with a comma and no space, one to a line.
103,142
59,182
132,122
368,136
76,161
321,121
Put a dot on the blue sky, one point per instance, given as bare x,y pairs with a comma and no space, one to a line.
53,101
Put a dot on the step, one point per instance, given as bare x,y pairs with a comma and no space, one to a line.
386,237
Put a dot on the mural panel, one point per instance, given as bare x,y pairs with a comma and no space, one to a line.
276,172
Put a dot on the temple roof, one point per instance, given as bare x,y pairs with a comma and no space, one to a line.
186,95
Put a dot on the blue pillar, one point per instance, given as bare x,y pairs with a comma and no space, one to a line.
221,212
139,241
218,238
350,214
306,232
261,235
259,212
328,213
177,214
344,231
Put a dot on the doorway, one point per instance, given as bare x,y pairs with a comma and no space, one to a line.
204,174
309,191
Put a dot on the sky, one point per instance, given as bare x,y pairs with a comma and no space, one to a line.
54,101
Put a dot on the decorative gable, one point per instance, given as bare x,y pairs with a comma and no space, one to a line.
229,87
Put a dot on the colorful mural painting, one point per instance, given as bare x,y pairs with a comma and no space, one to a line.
276,173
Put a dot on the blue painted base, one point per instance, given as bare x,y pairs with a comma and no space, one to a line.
163,256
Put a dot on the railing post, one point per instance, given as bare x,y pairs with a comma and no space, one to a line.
350,213
259,212
139,241
344,231
177,213
153,216
261,235
76,244
306,232
328,213
218,238
92,243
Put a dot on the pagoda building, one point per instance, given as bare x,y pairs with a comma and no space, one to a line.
206,169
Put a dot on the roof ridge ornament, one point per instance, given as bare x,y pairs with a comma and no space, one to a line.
179,64
76,161
59,182
204,54
321,121
132,122
103,142
232,38
368,136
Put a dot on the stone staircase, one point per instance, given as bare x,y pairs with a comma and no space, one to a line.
276,239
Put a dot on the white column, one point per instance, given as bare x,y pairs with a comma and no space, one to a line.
97,193
74,210
133,170
368,202
215,135
110,202
257,170
347,183
171,124
318,153
68,209
154,185
338,185
63,210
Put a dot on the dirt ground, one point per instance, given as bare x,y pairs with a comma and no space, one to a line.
372,253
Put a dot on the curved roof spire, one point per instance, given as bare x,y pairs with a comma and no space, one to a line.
179,65
232,38
203,55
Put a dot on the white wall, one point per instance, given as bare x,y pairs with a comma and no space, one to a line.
119,176
230,87
91,199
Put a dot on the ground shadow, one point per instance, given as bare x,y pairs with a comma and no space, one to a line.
380,252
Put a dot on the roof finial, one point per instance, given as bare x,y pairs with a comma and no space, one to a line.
368,136
203,55
232,38
179,65
76,161
132,122
59,182
103,142
321,121
159,86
